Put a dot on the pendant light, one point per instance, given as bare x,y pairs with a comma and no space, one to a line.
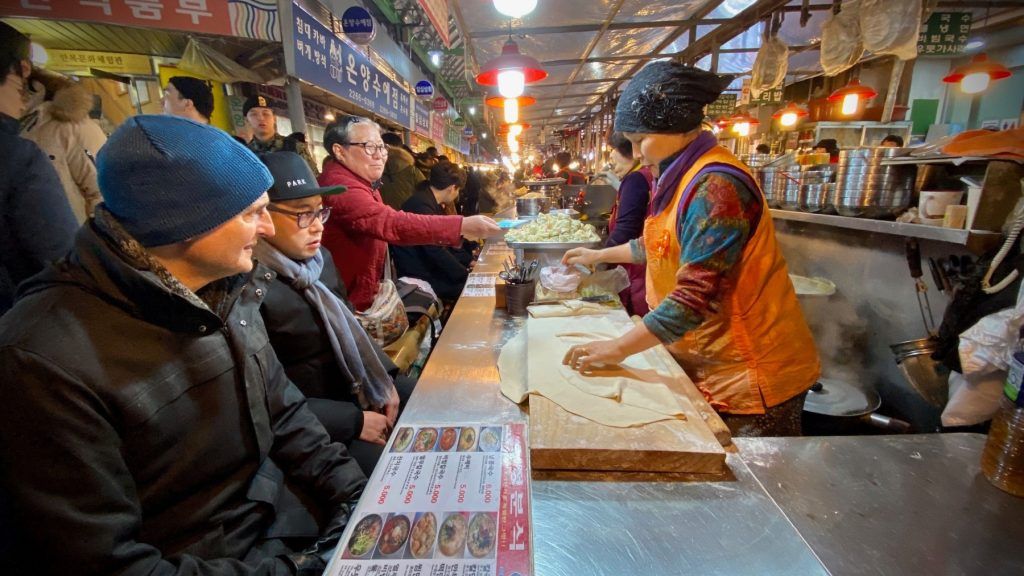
851,96
515,8
511,71
741,123
789,115
975,76
511,110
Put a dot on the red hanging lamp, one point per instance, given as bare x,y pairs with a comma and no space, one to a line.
975,76
851,96
511,71
741,123
790,114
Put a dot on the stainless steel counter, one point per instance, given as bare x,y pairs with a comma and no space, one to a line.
794,506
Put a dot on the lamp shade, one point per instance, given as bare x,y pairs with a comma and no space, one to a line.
853,87
511,59
790,114
975,76
499,101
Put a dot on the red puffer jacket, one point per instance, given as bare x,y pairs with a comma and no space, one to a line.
361,227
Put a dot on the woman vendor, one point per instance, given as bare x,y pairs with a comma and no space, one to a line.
718,288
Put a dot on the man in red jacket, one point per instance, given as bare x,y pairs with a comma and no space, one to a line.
361,225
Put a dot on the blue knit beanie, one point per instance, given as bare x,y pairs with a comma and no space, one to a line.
167,179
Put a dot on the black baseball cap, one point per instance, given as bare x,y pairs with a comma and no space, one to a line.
255,101
293,179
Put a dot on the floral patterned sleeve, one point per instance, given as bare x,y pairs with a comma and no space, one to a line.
713,233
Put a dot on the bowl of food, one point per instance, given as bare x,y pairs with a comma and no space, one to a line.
364,535
451,539
394,535
490,439
425,440
448,436
467,440
402,439
423,536
482,530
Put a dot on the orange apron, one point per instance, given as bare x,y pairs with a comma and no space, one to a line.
756,351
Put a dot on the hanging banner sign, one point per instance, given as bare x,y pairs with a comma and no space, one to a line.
446,501
467,132
768,97
205,16
358,25
79,62
421,119
724,106
437,12
440,104
424,89
437,127
460,122
321,58
944,34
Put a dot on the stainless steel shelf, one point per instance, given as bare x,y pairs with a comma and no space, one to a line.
955,160
976,241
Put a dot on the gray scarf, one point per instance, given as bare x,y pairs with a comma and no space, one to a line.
353,349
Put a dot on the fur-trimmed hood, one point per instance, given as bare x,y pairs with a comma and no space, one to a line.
71,103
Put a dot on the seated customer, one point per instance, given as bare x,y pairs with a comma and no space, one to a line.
146,425
325,352
892,141
446,269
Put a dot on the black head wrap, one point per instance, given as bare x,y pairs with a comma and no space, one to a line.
668,98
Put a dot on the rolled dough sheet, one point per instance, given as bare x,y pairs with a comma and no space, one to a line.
632,394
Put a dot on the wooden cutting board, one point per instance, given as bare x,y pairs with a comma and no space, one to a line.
560,440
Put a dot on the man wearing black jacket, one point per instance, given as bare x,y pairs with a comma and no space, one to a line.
146,425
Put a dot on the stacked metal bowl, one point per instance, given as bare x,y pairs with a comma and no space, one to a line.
767,177
816,188
786,187
864,187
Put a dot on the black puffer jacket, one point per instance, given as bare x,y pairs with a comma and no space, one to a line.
142,434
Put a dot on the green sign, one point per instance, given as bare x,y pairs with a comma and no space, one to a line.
724,106
768,97
459,122
944,34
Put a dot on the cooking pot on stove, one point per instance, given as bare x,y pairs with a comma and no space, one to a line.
836,407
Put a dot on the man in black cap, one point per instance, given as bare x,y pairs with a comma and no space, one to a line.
261,119
188,97
36,221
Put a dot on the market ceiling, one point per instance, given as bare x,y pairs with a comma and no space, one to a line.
590,48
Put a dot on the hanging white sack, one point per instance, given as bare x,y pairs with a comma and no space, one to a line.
770,66
841,43
889,27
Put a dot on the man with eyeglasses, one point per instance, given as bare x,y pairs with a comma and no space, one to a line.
345,375
260,117
362,225
36,221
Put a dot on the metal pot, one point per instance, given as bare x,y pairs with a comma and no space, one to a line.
816,197
835,407
527,207
927,376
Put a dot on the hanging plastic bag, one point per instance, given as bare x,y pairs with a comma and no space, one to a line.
985,350
841,42
770,66
889,27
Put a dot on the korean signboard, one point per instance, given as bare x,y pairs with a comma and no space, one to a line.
358,25
323,59
437,12
206,16
437,127
724,106
451,501
421,119
773,96
80,61
944,34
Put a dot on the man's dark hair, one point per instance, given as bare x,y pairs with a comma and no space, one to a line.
298,136
431,152
621,144
442,159
200,92
563,159
14,48
763,149
895,139
391,138
445,174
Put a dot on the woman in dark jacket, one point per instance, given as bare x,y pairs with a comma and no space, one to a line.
628,213
445,269
346,377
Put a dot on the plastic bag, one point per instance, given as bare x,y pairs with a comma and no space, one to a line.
559,278
889,27
985,350
770,66
607,282
841,42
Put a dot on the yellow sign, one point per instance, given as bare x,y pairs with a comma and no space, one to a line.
80,61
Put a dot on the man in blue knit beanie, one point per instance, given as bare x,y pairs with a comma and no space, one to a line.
145,423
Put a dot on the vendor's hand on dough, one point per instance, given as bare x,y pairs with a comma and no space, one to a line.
583,357
391,408
478,227
584,256
375,428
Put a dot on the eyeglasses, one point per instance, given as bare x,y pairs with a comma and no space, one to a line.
371,149
304,219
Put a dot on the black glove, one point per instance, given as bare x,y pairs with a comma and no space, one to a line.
310,562
303,564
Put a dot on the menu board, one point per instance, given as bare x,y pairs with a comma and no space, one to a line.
480,284
944,34
443,501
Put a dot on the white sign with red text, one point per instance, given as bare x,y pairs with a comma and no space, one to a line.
444,501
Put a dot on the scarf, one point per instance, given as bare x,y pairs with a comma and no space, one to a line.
668,181
353,350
